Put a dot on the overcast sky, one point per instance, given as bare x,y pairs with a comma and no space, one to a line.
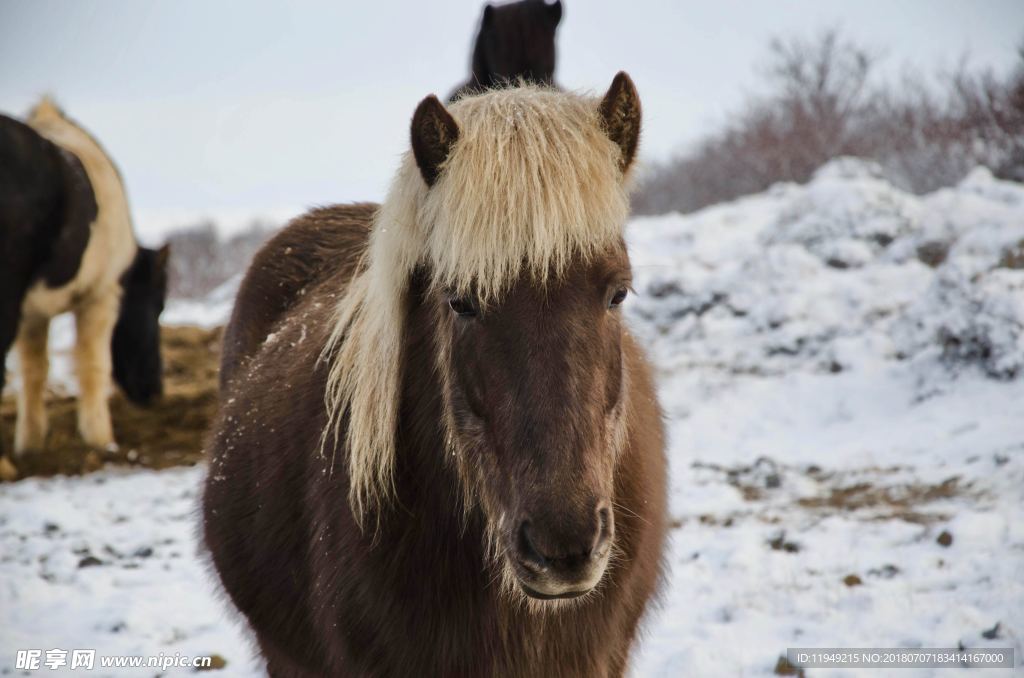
241,108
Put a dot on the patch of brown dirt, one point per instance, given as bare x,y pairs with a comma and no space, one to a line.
168,433
873,500
895,502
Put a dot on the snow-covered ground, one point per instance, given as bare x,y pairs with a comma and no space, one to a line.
110,562
842,368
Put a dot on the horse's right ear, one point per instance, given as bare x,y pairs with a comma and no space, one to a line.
434,131
554,11
620,115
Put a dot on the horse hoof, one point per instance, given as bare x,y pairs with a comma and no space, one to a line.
8,473
103,450
103,444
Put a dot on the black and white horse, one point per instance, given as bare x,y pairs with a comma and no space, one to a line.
66,244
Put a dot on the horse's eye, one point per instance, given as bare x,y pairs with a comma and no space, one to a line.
465,307
617,298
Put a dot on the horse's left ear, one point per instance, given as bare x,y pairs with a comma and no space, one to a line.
434,131
620,115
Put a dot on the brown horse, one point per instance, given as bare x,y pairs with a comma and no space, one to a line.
439,451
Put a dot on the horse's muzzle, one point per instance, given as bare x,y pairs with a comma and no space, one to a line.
554,559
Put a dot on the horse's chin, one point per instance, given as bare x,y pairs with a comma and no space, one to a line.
565,595
543,588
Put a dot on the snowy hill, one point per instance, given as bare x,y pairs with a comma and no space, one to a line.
842,369
840,273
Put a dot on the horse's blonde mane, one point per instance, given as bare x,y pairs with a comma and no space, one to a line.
47,118
532,182
51,122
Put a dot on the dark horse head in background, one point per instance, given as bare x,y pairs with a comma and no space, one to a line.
136,341
516,41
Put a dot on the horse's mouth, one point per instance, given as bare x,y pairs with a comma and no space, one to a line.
542,584
532,593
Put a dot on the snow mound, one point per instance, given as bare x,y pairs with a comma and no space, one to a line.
845,270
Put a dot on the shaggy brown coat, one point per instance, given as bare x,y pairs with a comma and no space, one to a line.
416,589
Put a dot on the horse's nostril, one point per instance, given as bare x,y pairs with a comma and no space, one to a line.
527,551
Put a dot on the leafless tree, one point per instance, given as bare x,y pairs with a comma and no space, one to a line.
201,260
823,100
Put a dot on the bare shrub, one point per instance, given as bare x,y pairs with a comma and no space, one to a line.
933,138
201,260
823,101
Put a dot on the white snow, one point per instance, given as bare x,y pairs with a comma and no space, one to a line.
834,404
150,591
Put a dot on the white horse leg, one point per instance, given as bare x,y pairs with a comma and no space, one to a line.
94,326
30,431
